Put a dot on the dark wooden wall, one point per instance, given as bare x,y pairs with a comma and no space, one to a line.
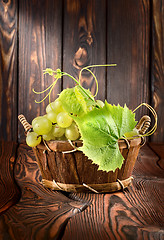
70,34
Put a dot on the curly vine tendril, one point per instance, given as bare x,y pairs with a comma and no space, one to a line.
57,74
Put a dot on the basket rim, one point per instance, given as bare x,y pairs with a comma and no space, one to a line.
64,145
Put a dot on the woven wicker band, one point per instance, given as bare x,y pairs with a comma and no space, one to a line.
95,188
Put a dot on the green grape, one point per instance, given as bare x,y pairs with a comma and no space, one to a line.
58,106
64,120
100,103
50,107
49,136
132,133
72,132
33,139
42,125
37,118
55,106
57,131
62,138
51,115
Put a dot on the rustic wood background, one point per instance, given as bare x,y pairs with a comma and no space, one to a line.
70,34
41,214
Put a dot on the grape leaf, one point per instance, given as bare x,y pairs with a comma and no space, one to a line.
88,101
74,101
100,130
107,157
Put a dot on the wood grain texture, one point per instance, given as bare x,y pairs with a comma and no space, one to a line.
75,165
136,213
120,216
158,149
40,42
71,34
157,73
10,193
84,42
128,36
8,70
150,161
40,213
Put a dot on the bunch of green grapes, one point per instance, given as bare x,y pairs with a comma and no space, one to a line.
56,124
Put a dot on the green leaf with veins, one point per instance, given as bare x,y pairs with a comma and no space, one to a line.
75,101
88,101
100,130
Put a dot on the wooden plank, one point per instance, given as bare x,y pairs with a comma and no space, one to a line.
128,31
84,42
136,213
8,70
10,193
149,163
158,149
40,36
40,213
157,66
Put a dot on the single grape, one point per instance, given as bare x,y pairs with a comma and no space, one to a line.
42,125
51,115
49,136
57,131
62,138
100,103
50,107
33,139
55,106
64,120
72,132
58,106
37,118
132,133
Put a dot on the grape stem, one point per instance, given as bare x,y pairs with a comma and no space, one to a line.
58,74
86,68
154,115
79,86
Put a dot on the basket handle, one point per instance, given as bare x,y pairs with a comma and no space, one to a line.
143,124
24,122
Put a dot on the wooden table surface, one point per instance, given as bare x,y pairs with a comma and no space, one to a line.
29,211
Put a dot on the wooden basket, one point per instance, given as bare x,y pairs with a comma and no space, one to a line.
64,168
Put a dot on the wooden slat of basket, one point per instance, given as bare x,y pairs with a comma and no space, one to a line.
73,167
